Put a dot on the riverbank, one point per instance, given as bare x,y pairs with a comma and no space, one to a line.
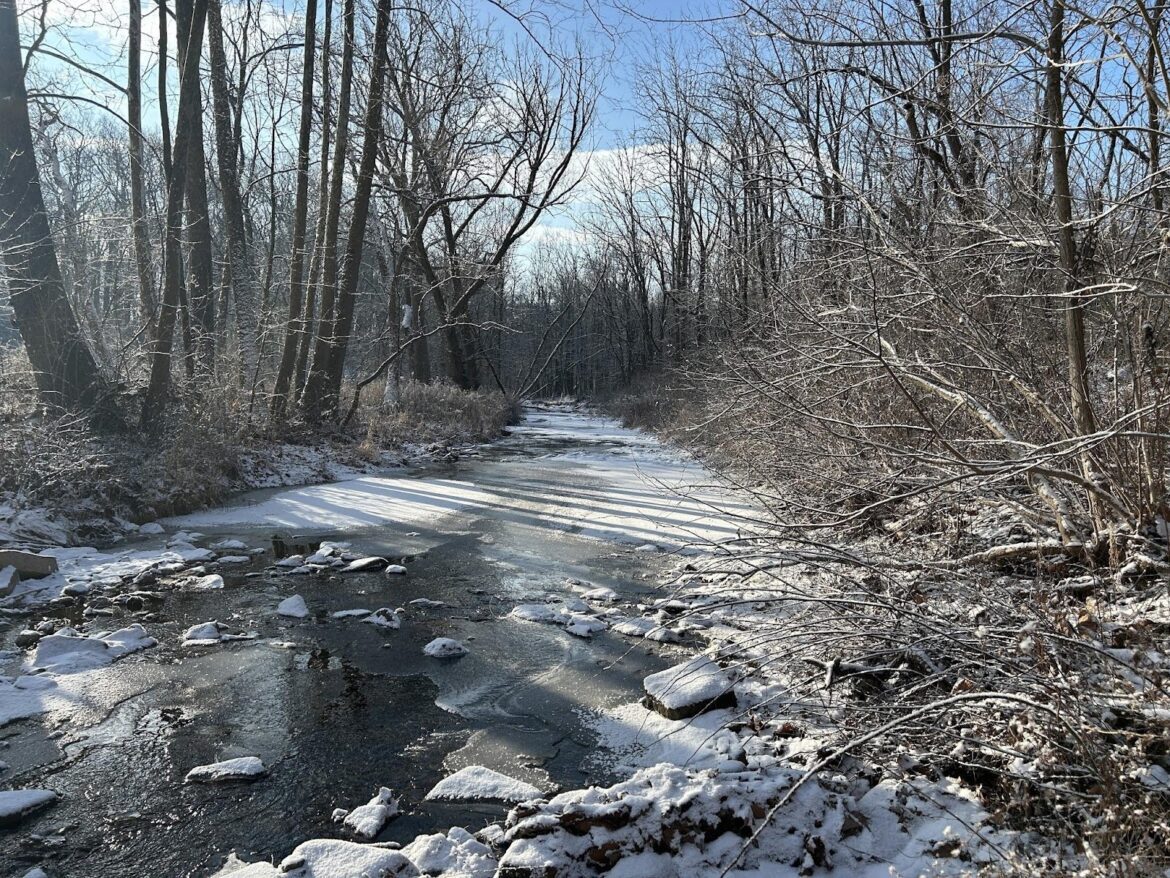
62,485
855,717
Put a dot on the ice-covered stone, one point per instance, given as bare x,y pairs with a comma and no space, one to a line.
240,768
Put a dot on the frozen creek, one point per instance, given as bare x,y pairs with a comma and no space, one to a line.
336,709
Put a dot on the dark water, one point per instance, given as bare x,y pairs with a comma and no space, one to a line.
349,708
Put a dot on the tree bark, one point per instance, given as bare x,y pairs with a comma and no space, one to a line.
295,326
240,268
145,265
158,392
313,402
200,273
342,325
66,374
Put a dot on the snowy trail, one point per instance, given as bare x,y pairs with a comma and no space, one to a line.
569,504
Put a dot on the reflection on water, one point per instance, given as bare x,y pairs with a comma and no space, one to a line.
334,707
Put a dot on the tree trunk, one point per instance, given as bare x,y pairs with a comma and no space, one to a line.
145,265
158,391
67,375
317,263
241,272
313,403
295,326
200,273
352,263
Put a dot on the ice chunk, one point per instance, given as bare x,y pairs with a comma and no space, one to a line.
345,614
15,805
293,607
205,583
241,768
476,783
445,647
67,651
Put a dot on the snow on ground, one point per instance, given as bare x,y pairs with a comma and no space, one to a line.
240,768
624,487
474,783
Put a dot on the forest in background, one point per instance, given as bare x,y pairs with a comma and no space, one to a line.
886,252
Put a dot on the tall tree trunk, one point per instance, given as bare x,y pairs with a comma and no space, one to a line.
200,272
322,211
240,269
163,110
295,326
67,375
1074,309
315,384
342,325
145,265
158,392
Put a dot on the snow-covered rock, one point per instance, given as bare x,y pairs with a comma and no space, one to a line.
584,626
545,613
639,626
240,768
366,821
368,563
210,582
234,559
15,805
67,651
445,647
203,634
457,854
475,783
151,528
384,617
427,603
291,561
688,689
230,546
293,607
331,858
394,570
601,594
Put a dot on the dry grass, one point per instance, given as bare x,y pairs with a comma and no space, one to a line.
436,413
58,464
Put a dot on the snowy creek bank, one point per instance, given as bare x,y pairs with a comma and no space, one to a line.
570,513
